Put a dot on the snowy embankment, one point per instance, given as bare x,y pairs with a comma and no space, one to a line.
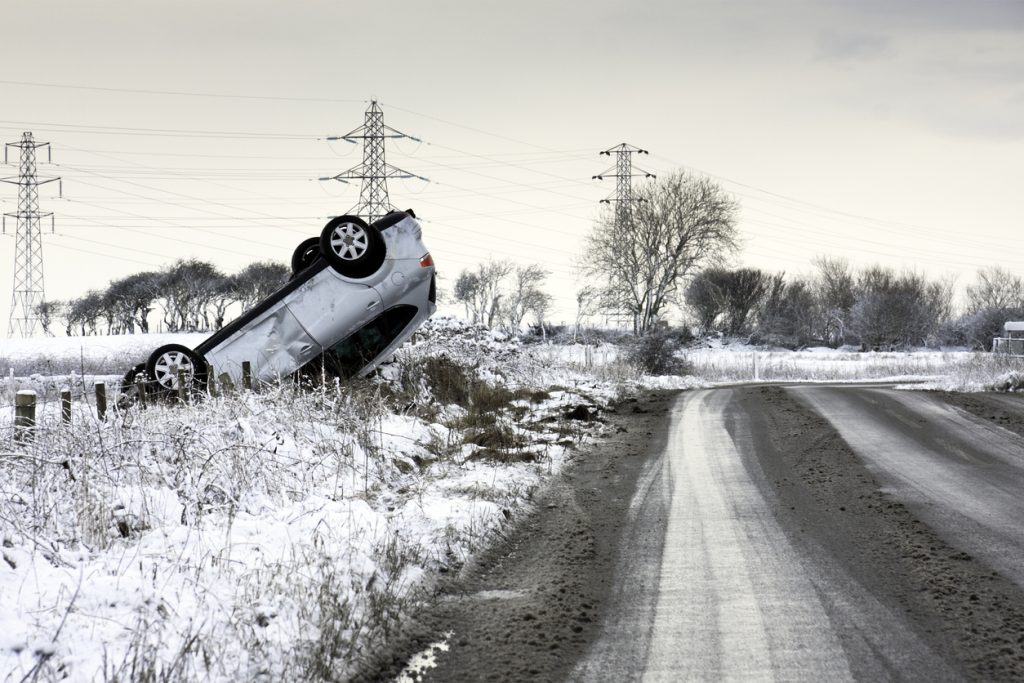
275,535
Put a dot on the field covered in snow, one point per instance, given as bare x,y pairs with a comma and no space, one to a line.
273,535
283,534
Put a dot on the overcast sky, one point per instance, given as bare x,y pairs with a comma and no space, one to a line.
884,131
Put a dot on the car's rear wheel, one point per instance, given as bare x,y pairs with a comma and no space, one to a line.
164,363
128,381
352,247
305,254
129,392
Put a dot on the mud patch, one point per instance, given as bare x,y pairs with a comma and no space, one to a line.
531,605
1003,410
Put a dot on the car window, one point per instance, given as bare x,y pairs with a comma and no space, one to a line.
352,354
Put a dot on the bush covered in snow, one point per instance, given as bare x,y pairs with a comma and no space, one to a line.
657,353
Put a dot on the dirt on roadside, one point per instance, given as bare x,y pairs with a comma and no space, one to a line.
528,607
1003,410
832,504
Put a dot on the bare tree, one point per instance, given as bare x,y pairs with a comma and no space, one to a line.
480,291
786,316
85,312
47,311
587,304
222,296
132,298
704,298
186,288
467,292
899,309
994,288
526,296
742,290
682,222
257,281
835,288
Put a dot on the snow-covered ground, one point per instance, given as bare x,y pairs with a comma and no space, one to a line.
737,363
951,369
282,534
276,535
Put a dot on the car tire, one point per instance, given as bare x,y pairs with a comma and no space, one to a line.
128,381
158,368
352,247
305,254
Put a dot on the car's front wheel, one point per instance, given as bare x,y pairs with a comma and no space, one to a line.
164,363
352,247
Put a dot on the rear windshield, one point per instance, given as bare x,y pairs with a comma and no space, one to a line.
352,354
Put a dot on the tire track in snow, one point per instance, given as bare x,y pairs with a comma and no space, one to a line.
735,600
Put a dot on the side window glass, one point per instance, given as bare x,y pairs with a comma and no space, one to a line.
352,354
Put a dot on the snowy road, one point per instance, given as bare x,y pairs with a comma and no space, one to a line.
961,476
735,600
763,579
768,533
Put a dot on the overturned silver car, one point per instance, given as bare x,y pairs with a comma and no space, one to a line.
357,292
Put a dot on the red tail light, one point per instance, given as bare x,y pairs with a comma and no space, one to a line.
426,261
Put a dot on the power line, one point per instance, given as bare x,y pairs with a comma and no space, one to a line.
161,132
179,93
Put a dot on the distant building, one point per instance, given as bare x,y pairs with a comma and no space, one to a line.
1012,341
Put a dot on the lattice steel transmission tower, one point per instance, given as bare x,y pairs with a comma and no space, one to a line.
624,174
374,171
28,238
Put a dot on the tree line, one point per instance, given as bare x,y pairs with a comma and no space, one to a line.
189,295
874,306
500,294
669,252
836,304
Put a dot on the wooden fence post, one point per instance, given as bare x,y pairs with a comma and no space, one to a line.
247,375
211,381
24,414
65,406
140,391
101,400
182,385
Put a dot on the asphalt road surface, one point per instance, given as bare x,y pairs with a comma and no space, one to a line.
798,533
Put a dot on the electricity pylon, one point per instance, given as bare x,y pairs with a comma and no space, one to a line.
28,239
374,171
623,197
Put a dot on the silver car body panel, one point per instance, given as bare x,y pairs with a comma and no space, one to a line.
326,308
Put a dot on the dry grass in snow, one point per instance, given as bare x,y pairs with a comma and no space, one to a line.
278,535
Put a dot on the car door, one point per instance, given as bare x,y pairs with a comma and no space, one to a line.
331,308
274,343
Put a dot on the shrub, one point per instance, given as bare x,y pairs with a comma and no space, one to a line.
655,354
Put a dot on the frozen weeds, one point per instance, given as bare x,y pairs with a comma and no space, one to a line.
269,536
